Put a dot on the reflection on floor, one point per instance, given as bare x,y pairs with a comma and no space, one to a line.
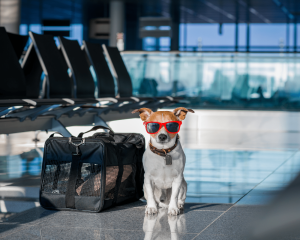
224,176
240,168
20,167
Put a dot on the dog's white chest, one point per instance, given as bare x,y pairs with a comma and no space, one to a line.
164,176
161,174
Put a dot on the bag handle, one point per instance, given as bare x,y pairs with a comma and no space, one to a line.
52,135
111,132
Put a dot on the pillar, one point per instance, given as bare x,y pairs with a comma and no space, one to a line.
248,38
236,48
175,15
117,20
295,36
10,15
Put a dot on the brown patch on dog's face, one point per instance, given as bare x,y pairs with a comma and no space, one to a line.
162,116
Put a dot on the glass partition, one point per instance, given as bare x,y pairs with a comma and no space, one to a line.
219,80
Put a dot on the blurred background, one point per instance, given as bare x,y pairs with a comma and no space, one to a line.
235,62
234,54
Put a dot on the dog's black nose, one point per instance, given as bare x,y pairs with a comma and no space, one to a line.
162,137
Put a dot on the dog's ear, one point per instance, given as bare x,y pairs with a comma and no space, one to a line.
144,113
181,112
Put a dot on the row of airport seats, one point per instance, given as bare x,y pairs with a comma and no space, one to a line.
62,92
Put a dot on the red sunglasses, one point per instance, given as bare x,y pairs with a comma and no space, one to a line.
171,127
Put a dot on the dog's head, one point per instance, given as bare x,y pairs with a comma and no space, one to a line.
163,136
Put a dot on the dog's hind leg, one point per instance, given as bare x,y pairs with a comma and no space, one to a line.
182,194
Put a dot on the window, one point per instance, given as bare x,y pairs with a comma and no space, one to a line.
207,36
268,37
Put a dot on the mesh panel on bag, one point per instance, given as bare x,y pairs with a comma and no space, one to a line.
56,176
111,181
127,187
89,184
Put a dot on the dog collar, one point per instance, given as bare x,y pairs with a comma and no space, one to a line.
164,152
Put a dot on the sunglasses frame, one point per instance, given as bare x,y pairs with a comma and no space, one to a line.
163,124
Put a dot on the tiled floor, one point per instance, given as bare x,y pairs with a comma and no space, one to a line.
229,175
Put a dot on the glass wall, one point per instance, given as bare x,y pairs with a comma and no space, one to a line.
75,30
198,37
268,37
215,80
156,44
263,37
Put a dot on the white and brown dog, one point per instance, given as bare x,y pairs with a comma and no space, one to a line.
164,160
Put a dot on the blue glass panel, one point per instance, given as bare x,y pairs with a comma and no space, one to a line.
23,29
222,80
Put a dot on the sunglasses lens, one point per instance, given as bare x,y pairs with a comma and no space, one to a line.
152,127
172,127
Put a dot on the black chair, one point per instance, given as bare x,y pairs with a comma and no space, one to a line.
119,70
59,84
13,83
106,85
76,60
18,42
12,80
33,71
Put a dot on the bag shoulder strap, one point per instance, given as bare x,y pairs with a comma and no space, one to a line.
52,135
111,132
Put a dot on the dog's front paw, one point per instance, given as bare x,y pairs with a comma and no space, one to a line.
180,204
173,210
151,210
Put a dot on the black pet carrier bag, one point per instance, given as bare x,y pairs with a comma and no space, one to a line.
93,173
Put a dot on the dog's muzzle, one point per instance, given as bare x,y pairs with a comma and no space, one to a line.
162,138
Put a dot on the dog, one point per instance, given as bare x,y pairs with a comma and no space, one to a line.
164,160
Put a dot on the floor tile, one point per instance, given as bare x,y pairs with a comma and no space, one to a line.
206,207
234,224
